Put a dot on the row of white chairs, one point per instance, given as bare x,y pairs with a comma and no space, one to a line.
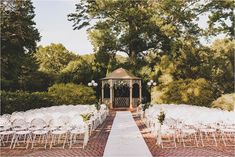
188,132
65,129
48,113
191,136
22,132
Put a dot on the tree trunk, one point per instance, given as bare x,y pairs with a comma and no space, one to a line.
132,38
133,57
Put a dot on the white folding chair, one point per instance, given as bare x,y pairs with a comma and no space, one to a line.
189,136
168,135
59,131
208,137
79,132
39,132
228,136
5,132
22,134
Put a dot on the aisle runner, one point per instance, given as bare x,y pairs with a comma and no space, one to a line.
125,138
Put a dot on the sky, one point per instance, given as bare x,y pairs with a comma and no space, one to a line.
51,21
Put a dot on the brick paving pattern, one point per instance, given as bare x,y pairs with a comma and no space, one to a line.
150,140
95,146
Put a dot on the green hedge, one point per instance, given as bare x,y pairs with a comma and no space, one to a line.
58,94
198,92
22,101
225,102
72,94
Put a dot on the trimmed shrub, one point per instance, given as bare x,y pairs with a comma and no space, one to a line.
72,94
198,92
225,102
22,101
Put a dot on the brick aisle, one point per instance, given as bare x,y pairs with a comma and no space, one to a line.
221,150
95,146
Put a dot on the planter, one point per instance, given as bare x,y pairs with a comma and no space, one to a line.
159,139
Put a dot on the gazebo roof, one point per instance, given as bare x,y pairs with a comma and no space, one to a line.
120,73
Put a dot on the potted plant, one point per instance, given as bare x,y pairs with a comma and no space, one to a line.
160,118
144,107
97,106
86,117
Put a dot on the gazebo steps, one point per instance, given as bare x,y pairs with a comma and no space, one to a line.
123,109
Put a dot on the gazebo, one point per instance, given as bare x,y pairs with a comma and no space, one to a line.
121,89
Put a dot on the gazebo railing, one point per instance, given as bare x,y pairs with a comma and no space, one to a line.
122,102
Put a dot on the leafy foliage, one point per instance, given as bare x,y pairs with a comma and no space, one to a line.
22,101
18,39
225,102
58,94
194,92
77,71
86,117
53,58
72,94
221,17
133,27
215,64
146,106
97,106
161,117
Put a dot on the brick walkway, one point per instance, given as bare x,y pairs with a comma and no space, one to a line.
95,145
221,150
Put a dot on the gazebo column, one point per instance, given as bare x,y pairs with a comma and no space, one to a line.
140,93
111,95
102,95
131,101
102,92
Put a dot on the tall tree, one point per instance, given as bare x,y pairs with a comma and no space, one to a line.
221,17
18,38
77,71
53,58
134,27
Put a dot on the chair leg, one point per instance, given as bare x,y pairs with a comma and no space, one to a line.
8,137
174,140
65,140
195,136
2,140
15,141
12,141
34,137
71,141
46,136
184,136
52,140
213,134
24,138
59,139
27,138
201,135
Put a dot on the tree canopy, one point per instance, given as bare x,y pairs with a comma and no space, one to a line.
18,38
53,58
161,39
134,27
